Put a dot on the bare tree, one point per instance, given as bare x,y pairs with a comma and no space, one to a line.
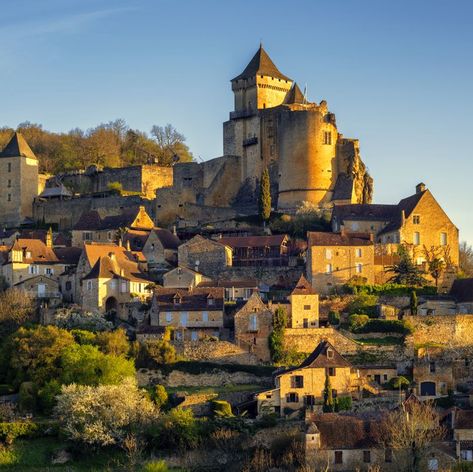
409,431
16,308
466,259
171,143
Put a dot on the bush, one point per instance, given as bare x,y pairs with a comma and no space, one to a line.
267,421
160,396
357,321
156,466
399,382
384,326
334,318
10,431
364,304
27,394
161,352
47,396
82,336
390,289
343,403
221,408
115,187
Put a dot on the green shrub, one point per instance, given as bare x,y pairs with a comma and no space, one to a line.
47,396
156,466
343,403
82,336
115,187
221,408
160,396
357,321
399,382
27,397
389,289
334,318
363,304
384,326
10,431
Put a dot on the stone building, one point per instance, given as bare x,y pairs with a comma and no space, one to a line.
18,183
183,277
303,386
463,434
335,258
304,306
253,324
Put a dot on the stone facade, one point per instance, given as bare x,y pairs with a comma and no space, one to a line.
304,306
183,277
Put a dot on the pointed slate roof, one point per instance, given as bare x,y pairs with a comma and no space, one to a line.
303,287
294,95
17,147
261,64
319,357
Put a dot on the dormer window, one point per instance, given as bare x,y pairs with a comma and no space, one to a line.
177,300
210,300
329,354
28,254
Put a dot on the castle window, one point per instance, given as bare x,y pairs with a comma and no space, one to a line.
328,269
417,238
359,268
338,457
358,252
443,239
9,167
327,137
9,183
9,197
416,219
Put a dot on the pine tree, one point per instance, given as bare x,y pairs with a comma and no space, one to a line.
328,406
265,196
413,303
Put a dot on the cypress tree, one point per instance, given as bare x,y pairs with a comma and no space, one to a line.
328,406
265,196
413,303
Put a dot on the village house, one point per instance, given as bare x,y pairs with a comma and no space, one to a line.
192,314
258,251
303,386
303,306
183,277
253,323
333,259
463,434
235,290
204,255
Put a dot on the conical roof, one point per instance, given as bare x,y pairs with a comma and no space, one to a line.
294,95
303,287
261,64
17,147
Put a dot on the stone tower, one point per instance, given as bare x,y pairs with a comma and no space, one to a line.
18,182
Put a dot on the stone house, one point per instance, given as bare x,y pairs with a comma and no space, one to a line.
235,290
304,306
205,255
303,386
19,182
433,376
251,251
183,277
160,248
193,314
463,434
333,259
379,374
113,284
253,324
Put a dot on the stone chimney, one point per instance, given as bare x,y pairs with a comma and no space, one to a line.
420,187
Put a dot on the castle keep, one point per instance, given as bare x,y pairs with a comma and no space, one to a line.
273,125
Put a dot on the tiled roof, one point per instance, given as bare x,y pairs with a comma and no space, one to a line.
261,64
360,211
168,239
16,147
57,191
319,238
68,255
195,299
319,358
246,283
303,287
136,238
93,251
40,253
89,220
254,241
462,290
294,95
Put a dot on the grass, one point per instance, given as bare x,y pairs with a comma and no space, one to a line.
387,341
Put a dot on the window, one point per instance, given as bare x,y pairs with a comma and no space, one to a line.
328,269
28,254
49,271
416,238
358,252
176,300
194,336
432,367
385,377
9,183
338,457
87,236
292,397
466,455
359,268
366,457
9,197
388,455
183,318
113,284
68,285
205,316
109,235
33,269
331,371
416,219
334,393
328,254
123,286
168,317
297,381
9,167
327,137
443,239
433,464
210,301
306,307
89,284
253,322
329,354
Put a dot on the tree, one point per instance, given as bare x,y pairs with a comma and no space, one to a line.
405,271
329,405
113,342
276,338
466,259
264,200
161,351
105,414
410,431
413,303
16,308
171,145
69,318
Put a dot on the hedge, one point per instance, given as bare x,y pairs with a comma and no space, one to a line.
384,326
357,321
343,403
395,290
10,431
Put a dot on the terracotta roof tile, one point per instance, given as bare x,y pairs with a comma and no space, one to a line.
318,238
254,241
195,299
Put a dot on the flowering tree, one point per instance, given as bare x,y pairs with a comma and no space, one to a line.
70,318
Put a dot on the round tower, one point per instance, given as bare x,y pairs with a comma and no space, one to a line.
307,155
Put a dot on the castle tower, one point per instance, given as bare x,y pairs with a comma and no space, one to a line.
18,181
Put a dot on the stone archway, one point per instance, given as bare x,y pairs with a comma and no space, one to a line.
111,305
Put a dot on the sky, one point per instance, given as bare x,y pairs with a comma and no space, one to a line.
397,74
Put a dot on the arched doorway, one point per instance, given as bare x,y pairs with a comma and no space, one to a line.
427,389
111,305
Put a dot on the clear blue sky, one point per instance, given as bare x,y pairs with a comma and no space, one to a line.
398,75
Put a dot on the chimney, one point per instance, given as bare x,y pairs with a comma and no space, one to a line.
49,237
120,242
128,248
420,187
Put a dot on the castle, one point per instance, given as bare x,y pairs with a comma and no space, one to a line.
273,126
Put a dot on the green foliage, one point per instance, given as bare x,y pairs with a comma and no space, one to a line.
329,405
405,272
27,397
161,352
399,382
343,403
363,304
334,318
115,187
11,431
413,303
389,289
86,365
276,338
298,225
16,309
156,466
113,342
47,395
355,322
82,336
264,201
160,396
384,326
221,408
